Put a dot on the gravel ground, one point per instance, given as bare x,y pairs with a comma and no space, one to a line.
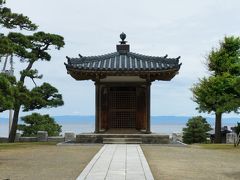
170,163
44,162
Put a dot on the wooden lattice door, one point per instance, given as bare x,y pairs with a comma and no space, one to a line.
122,107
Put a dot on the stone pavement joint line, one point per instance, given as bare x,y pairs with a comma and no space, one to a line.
118,162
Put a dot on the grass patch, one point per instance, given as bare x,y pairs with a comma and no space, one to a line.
215,146
5,146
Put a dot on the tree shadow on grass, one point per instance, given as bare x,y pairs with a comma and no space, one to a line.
234,175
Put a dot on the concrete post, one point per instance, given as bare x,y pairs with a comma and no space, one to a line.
69,136
230,138
42,136
18,135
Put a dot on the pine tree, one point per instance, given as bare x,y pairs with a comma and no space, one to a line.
37,122
29,49
196,130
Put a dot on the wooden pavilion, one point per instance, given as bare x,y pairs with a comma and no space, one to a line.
123,80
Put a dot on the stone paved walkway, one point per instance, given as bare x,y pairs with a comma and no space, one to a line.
118,162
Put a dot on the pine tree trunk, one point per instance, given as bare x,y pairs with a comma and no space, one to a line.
12,134
218,126
13,131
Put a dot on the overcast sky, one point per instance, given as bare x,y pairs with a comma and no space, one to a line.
185,28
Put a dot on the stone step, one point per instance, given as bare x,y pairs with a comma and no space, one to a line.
122,140
146,138
122,136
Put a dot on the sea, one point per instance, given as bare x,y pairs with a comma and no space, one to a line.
159,124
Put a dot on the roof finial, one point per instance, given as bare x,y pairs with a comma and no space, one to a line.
123,37
123,48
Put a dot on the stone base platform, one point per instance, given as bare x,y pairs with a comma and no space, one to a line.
145,138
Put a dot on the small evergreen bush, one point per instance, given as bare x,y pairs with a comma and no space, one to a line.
196,130
37,122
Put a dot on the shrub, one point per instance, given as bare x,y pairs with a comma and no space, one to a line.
196,130
37,122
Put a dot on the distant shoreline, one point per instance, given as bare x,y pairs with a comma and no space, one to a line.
154,119
159,124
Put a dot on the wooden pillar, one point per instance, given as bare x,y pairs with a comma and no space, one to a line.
97,106
148,100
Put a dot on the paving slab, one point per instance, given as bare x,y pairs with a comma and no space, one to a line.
118,162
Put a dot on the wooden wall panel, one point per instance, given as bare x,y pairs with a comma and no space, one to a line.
141,108
104,108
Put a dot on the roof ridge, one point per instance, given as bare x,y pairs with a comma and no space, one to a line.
148,56
154,59
158,58
99,56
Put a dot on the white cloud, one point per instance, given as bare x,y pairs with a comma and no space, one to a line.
154,27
